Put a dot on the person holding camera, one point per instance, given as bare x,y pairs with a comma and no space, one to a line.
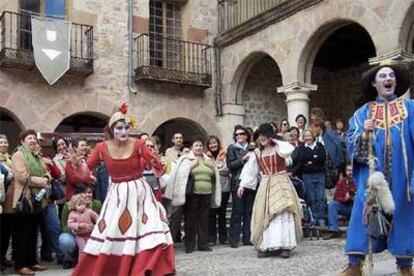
29,188
342,203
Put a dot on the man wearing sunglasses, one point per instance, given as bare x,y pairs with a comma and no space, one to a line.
242,207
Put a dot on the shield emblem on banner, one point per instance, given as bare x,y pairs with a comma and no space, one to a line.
51,47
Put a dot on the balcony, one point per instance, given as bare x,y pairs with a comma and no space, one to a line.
240,18
160,58
16,44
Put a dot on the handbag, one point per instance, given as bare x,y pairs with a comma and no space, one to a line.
379,225
57,192
27,206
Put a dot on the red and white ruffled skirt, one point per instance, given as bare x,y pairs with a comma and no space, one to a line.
131,236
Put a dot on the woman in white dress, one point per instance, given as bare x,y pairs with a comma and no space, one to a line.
276,221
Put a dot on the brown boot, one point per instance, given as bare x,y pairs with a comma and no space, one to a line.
408,271
352,270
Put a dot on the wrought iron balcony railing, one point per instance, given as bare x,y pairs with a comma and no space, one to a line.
16,44
161,58
232,13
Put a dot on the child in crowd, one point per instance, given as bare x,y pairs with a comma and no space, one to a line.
81,219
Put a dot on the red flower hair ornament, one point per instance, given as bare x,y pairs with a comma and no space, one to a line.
122,115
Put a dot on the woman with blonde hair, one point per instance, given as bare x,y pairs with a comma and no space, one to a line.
81,219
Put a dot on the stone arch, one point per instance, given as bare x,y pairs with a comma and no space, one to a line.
87,104
241,73
339,53
182,111
11,126
187,127
406,36
90,121
314,44
332,17
13,116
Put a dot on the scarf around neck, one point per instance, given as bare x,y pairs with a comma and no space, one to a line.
5,158
33,162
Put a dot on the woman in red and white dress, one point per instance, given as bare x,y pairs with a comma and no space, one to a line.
131,236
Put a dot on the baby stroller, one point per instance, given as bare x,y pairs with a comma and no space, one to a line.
308,223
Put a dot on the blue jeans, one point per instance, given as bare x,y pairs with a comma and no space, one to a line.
315,195
52,224
336,208
67,242
241,211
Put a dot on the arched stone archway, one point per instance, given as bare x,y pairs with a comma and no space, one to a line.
182,110
254,87
87,122
338,54
10,126
188,128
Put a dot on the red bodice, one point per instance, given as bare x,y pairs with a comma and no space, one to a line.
272,164
122,170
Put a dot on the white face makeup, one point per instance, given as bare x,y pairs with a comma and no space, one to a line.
121,131
385,83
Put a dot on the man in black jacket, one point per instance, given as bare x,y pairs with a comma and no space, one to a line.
242,207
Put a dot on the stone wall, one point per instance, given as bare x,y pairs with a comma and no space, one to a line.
261,101
39,106
338,91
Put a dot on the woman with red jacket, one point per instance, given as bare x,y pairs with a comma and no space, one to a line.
74,172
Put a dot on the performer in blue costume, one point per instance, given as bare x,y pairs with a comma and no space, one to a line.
390,117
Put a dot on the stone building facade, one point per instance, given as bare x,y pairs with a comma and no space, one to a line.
266,62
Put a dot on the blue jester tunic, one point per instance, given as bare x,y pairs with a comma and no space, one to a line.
394,126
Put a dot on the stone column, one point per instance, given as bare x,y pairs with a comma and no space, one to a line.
297,99
398,55
233,114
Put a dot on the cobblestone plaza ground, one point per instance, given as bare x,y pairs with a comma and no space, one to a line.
310,258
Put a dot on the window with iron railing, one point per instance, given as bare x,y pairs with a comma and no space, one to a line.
165,22
16,43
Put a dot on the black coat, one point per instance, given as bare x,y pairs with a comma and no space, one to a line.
310,161
235,164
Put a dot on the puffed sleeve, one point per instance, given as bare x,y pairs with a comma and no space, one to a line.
249,173
95,156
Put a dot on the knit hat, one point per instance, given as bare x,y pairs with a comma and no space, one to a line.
402,76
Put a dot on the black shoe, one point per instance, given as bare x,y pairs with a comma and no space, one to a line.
205,249
263,254
234,245
68,265
223,240
188,250
247,243
332,235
